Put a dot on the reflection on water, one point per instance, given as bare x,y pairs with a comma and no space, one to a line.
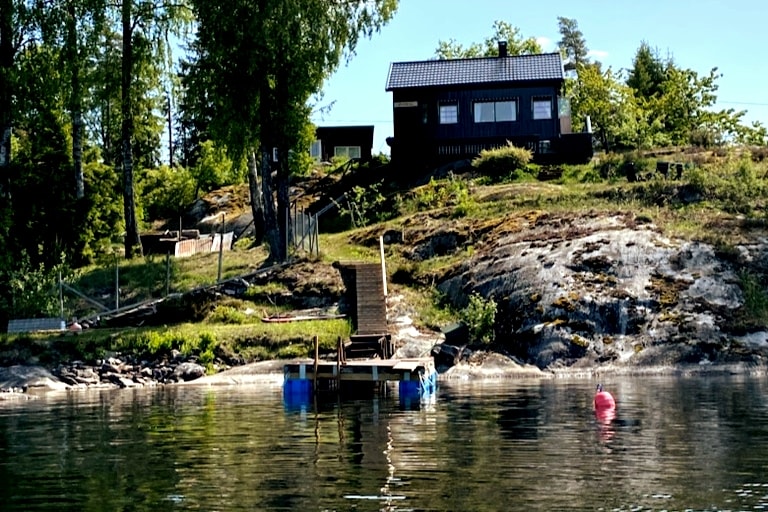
672,444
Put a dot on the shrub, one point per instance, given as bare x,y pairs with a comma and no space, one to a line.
755,297
451,193
480,317
227,315
166,191
367,205
292,351
502,161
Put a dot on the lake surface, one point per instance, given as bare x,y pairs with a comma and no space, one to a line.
676,444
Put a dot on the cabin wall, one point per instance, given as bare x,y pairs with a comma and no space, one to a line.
419,133
346,136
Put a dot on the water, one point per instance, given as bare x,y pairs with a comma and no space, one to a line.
676,444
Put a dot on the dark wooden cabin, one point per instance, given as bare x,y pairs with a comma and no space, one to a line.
451,109
343,141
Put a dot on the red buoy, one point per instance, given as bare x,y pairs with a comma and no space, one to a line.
603,400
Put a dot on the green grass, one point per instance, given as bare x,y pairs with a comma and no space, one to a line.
733,189
255,341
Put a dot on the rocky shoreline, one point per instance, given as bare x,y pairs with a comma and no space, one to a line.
27,382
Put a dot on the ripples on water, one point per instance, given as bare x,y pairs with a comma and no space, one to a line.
675,444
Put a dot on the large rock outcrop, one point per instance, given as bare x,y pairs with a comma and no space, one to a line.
586,291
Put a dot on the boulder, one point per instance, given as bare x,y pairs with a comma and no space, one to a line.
188,371
29,378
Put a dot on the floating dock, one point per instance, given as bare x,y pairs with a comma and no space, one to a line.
415,377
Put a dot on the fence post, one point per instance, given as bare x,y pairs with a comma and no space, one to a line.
167,273
221,246
61,297
117,282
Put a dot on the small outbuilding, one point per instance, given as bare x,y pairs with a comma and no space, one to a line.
342,141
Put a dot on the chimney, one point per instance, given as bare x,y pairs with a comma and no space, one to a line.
502,48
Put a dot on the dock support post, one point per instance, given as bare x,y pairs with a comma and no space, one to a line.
317,356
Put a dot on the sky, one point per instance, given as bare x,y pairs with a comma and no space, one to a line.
697,34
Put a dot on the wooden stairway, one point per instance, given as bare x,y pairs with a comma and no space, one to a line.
372,338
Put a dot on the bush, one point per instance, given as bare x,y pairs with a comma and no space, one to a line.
733,186
755,297
166,191
369,205
227,315
503,161
480,317
451,193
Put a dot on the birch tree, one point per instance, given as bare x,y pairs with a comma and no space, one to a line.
262,60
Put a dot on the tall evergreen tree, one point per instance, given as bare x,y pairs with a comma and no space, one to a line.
648,72
572,42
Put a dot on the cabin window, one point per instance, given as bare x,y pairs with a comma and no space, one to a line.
449,113
316,150
542,108
495,111
347,151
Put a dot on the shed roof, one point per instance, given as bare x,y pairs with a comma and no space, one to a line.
432,73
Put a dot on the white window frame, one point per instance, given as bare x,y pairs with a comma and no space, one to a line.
481,106
449,113
316,150
537,107
347,151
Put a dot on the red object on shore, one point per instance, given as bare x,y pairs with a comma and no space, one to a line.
603,400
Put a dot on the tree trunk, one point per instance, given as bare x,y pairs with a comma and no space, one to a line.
6,94
129,201
170,132
271,225
283,199
76,101
257,200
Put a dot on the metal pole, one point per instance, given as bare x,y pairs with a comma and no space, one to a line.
61,297
167,274
287,220
311,233
117,282
221,245
303,227
317,235
85,297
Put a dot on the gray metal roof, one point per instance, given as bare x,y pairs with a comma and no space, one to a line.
431,73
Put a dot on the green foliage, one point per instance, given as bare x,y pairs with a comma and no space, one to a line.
368,205
631,166
755,297
503,161
451,193
648,73
618,121
214,168
103,210
227,315
32,290
293,351
480,317
572,42
156,344
734,186
503,31
167,192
